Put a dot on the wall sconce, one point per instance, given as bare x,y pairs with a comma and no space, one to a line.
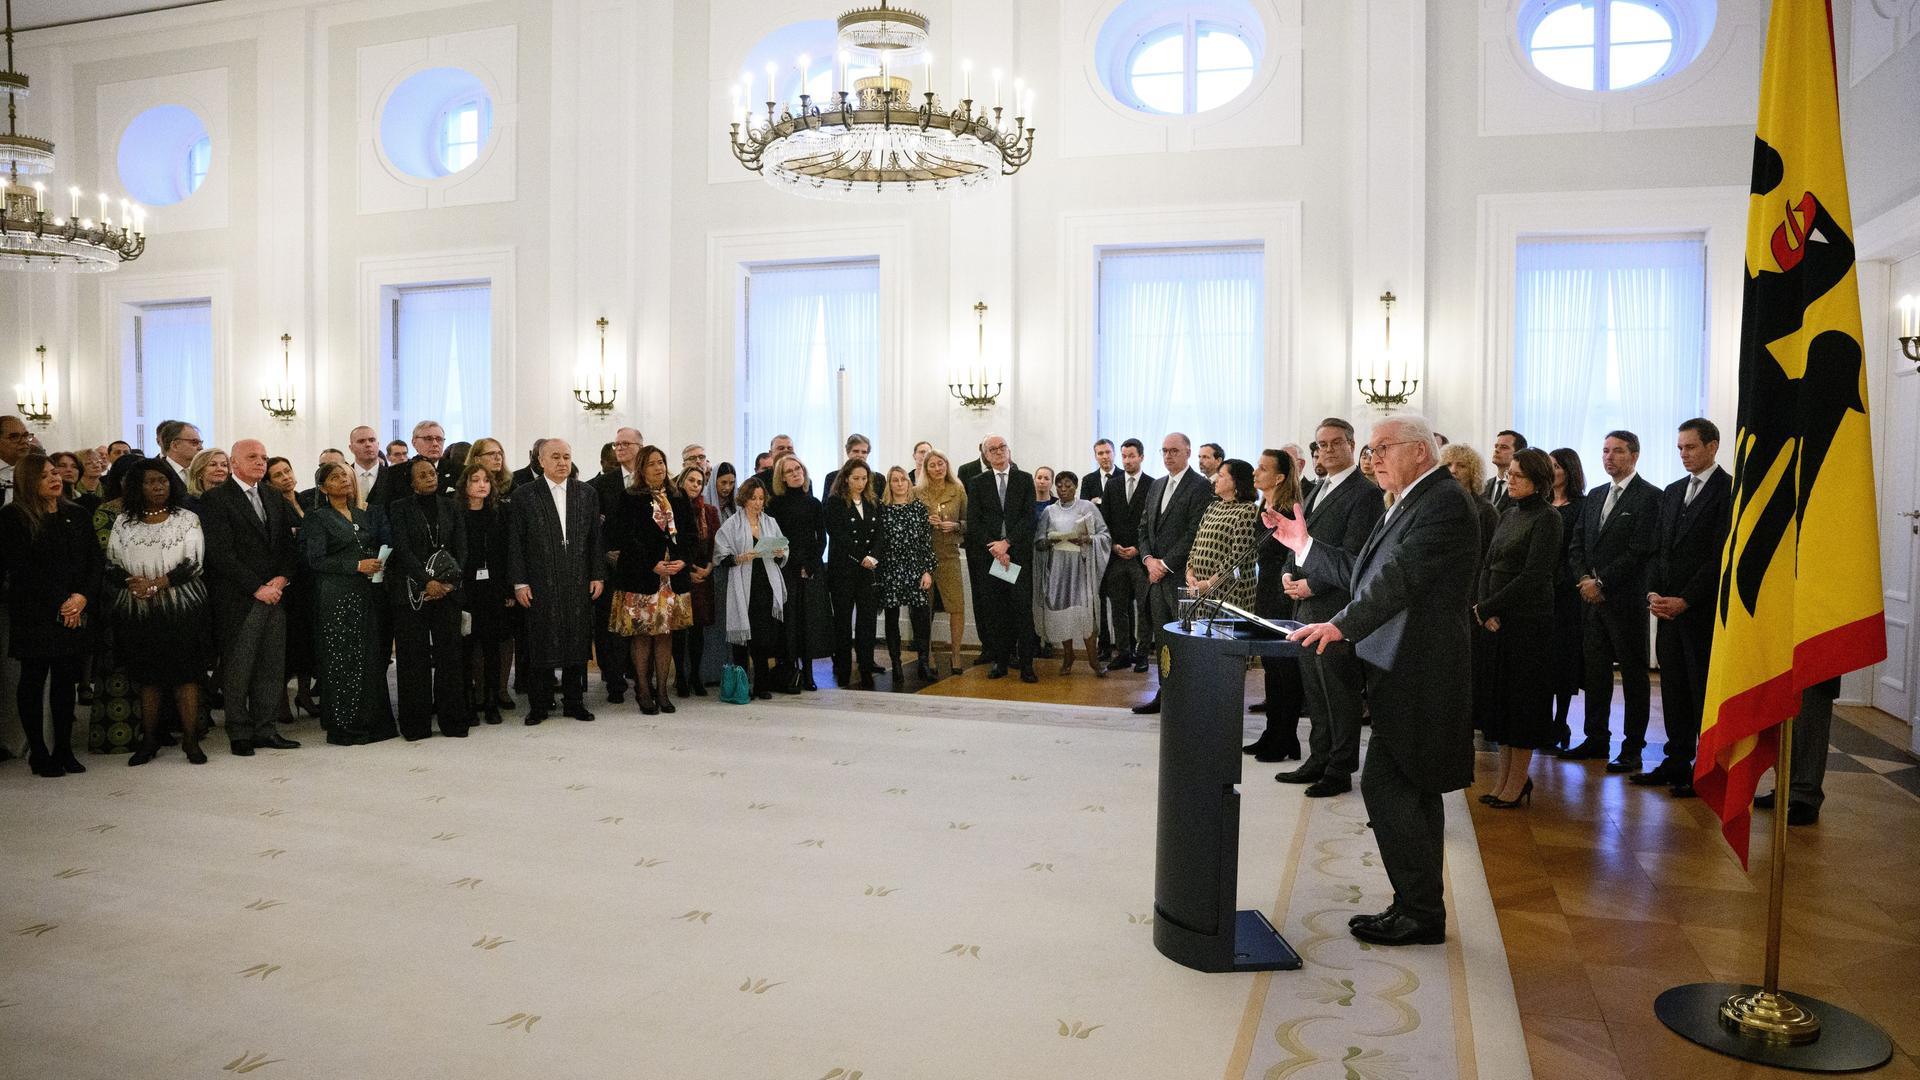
278,399
36,399
1388,387
976,385
595,391
1909,328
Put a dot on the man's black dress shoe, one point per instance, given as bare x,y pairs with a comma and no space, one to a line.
1801,814
616,697
534,716
1278,751
1329,785
1139,665
277,741
1684,790
1653,777
1299,776
1624,764
1399,929
241,749
1027,675
1258,707
579,712
1151,708
1591,750
998,671
1360,920
1764,802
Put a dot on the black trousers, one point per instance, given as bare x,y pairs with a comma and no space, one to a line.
1002,615
611,651
433,672
1684,649
687,647
34,677
1125,589
854,612
573,687
763,658
1334,681
1286,692
920,621
1616,633
1410,827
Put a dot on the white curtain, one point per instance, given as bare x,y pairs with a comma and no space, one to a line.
1610,334
176,367
1181,347
804,323
444,353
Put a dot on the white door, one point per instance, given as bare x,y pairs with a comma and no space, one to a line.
1894,680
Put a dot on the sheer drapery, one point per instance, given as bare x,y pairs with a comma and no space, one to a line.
803,324
1610,334
443,351
174,380
1181,344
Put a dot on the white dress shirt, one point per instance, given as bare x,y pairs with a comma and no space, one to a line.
364,479
559,492
1166,495
1325,487
1301,559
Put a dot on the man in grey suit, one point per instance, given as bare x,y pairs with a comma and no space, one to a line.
1411,583
1175,504
1341,512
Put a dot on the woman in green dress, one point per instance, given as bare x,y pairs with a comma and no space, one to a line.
337,540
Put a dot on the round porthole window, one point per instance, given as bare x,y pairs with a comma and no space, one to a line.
436,122
1180,59
165,155
1613,44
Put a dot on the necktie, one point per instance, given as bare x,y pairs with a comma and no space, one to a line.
1613,496
1313,496
1693,489
253,497
1002,480
1130,479
1499,489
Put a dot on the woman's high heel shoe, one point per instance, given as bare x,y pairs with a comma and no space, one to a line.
665,702
1525,796
191,747
144,752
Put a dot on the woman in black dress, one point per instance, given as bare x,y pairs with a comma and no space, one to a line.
1515,610
803,522
855,549
427,528
689,645
297,597
1569,656
652,529
338,541
50,569
488,595
162,629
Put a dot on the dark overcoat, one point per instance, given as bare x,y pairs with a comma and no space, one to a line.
559,623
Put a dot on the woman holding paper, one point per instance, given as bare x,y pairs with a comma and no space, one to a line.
1071,546
337,541
756,595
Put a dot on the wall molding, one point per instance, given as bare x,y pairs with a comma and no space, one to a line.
124,291
373,275
1276,226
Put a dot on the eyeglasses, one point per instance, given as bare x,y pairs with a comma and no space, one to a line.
430,438
22,436
1376,449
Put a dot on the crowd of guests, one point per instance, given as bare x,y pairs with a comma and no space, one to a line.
212,578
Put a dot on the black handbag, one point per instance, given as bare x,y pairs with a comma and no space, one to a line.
440,566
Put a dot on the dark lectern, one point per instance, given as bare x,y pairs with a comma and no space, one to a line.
1197,859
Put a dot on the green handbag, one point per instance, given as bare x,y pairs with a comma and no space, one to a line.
735,688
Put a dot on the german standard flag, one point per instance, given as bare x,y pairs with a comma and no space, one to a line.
1799,599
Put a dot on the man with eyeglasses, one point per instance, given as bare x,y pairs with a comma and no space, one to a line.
610,650
1411,583
1175,505
179,442
429,441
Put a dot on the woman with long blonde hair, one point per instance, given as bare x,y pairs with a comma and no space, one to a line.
489,452
946,502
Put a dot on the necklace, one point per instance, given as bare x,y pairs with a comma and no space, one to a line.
153,513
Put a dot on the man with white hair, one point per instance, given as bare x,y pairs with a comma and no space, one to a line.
1411,583
250,559
556,560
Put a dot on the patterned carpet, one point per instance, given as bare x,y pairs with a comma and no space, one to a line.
841,887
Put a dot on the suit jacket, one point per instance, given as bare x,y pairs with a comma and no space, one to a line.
967,470
1169,536
559,624
641,541
1495,492
1123,517
851,538
1619,552
988,520
1343,518
1093,488
1412,583
396,483
244,552
1687,564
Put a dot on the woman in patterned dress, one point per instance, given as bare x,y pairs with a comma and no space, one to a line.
906,576
652,530
946,502
1223,549
337,541
160,619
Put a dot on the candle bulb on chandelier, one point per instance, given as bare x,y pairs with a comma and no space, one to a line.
966,80
927,73
1909,316
126,217
40,198
74,197
806,73
840,81
773,95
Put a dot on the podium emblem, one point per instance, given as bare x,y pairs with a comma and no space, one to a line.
1166,662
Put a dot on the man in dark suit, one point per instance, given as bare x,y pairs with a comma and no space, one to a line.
429,441
1695,514
528,473
1341,512
250,559
1125,585
858,447
970,469
781,444
613,652
557,562
364,442
1000,530
1505,445
1408,624
1094,486
1617,536
1175,505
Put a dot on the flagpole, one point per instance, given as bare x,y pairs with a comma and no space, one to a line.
1767,1014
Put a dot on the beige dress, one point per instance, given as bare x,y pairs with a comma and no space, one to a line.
947,504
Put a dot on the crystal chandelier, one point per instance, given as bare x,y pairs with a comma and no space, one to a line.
29,239
870,141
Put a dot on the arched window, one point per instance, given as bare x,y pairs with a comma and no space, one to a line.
199,157
1613,44
1188,66
436,122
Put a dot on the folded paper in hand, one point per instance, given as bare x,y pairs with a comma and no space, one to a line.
1007,572
770,545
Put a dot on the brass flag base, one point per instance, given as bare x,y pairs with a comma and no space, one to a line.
1744,1021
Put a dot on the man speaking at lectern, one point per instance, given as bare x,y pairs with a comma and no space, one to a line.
1407,622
